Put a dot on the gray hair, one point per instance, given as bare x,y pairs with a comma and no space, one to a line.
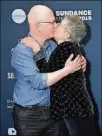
76,27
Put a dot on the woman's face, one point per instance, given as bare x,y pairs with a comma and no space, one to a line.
60,31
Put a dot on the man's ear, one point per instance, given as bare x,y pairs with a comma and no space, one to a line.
37,26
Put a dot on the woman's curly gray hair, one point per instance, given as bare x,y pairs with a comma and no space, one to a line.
76,27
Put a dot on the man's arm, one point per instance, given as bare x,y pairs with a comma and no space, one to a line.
70,67
30,42
25,65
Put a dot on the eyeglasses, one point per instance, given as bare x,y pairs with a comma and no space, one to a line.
59,24
49,22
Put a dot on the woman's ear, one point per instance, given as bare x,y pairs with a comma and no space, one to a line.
67,35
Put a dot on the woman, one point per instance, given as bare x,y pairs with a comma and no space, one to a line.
70,101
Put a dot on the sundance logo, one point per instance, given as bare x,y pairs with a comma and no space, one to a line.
84,14
18,16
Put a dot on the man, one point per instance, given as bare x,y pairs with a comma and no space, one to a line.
31,111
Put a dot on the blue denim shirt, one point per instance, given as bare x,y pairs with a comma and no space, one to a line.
30,88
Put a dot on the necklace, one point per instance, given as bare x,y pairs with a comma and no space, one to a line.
41,52
41,46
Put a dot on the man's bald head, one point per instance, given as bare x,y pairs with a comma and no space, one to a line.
39,13
41,21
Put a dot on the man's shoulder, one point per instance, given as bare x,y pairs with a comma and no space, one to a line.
21,47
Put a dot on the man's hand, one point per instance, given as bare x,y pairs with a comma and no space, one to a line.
72,66
83,63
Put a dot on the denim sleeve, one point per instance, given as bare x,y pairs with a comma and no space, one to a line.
24,64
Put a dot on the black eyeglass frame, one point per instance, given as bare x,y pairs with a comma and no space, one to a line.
49,22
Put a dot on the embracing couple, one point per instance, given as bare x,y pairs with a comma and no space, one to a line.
50,91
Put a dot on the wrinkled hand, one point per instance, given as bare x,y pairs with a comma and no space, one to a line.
29,41
74,65
83,63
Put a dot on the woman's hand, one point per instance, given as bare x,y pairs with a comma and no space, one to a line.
83,63
29,41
